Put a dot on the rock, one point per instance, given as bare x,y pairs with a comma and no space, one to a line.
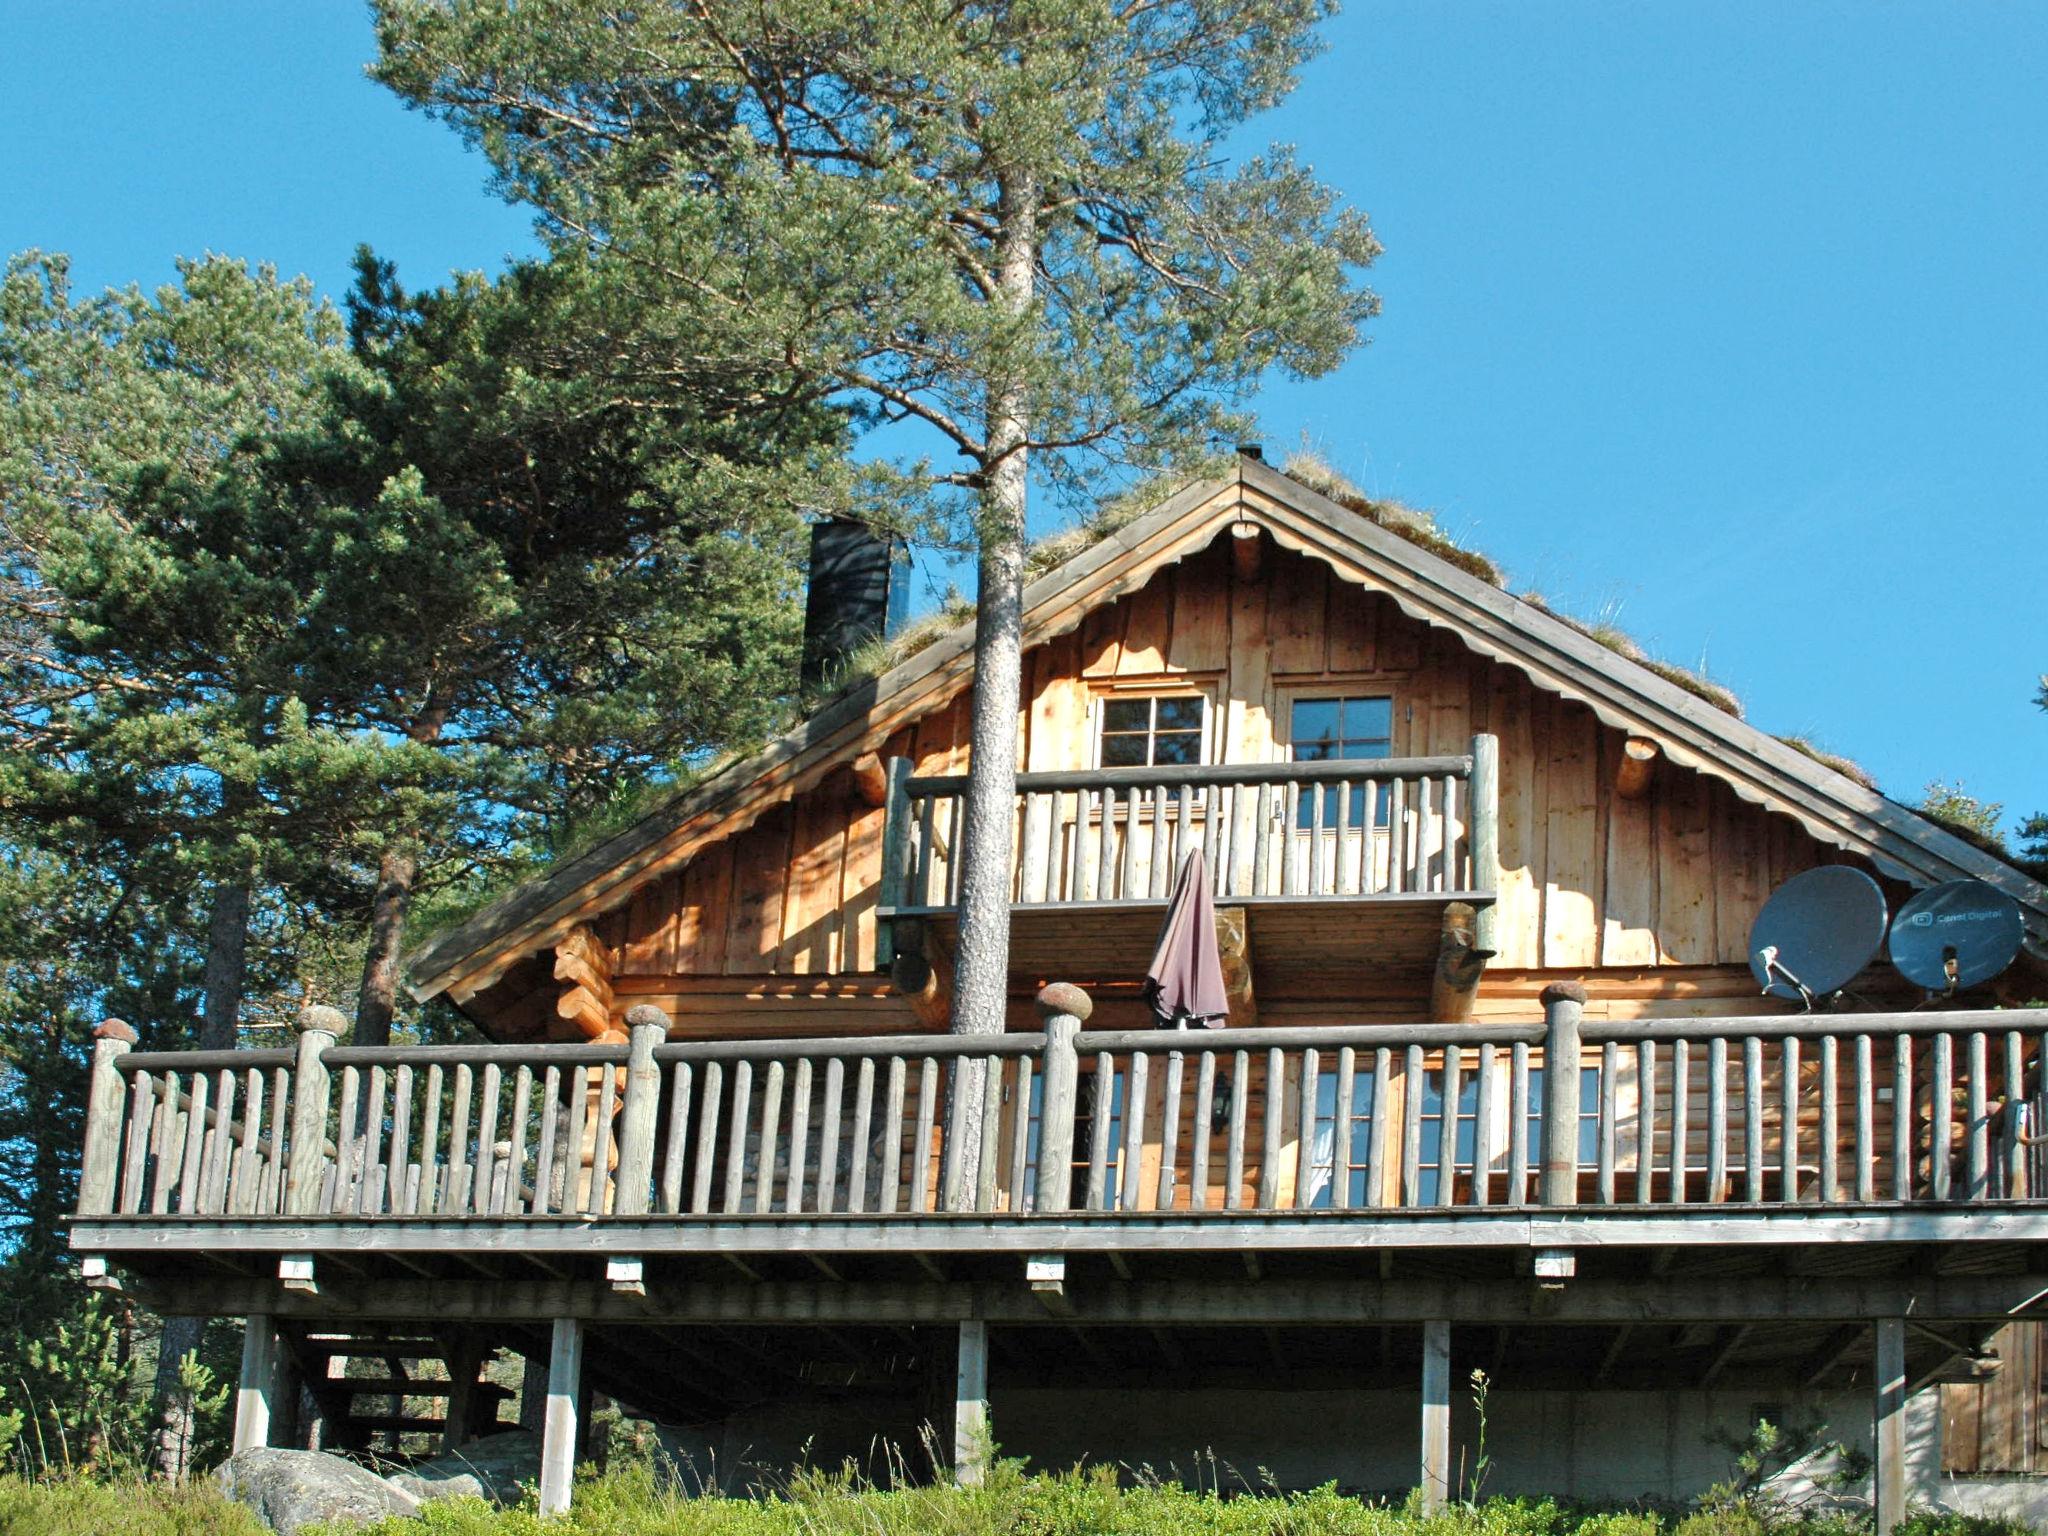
491,1468
289,1490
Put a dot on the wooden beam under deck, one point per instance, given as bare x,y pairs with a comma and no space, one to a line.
1580,1228
1138,1304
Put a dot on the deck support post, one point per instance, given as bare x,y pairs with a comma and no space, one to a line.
1436,1414
1888,1443
559,1427
1564,1005
646,1028
100,1174
319,1027
1485,815
970,1405
1064,1009
256,1392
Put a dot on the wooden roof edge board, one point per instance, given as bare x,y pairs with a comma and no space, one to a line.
1697,734
449,961
1622,693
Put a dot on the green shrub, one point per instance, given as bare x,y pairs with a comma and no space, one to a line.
80,1506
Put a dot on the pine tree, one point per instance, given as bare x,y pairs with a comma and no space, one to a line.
1008,224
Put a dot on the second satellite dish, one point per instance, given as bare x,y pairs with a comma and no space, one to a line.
1818,930
1956,935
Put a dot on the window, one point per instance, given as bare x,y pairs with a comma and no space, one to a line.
1341,729
1155,732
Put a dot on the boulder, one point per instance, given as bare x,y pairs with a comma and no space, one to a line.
491,1467
290,1490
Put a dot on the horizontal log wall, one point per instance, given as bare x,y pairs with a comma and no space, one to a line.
1590,880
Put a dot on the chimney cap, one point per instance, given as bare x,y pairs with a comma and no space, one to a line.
1255,451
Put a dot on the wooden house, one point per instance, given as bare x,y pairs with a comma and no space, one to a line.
713,1160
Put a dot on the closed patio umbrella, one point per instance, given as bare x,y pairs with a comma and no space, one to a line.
1184,985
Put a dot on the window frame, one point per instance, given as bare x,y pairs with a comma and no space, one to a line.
1340,693
1152,692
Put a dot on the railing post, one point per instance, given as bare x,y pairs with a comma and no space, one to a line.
1064,1008
104,1102
647,1027
895,850
1564,1005
319,1028
1485,839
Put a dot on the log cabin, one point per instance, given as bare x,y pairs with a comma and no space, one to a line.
710,1153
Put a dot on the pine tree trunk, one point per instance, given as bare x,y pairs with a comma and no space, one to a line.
981,967
227,944
378,1003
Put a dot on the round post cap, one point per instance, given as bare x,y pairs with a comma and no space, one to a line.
1065,997
323,1020
646,1016
114,1029
1564,992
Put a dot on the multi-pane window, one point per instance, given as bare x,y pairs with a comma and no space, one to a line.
1341,729
1153,732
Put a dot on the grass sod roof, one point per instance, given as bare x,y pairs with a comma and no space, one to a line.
1623,691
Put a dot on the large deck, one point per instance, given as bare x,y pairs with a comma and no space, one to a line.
1798,1201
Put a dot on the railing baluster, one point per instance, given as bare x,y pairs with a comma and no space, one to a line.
220,1147
456,1193
1130,1173
1376,1142
1866,1119
1447,1127
195,1143
487,1137
168,1135
1021,1172
1316,797
1305,1125
771,1132
1830,1121
1518,1124
707,1137
1646,1119
1978,1107
828,1135
426,1203
1127,856
1423,825
369,1190
1902,1118
1482,1129
921,871
1201,1132
892,1142
1788,1122
1450,870
736,1135
1610,1070
1097,1192
522,1111
1169,1129
1681,1116
921,1151
271,1198
1273,1108
1341,1133
2015,1151
1240,1113
1397,854
1105,873
135,1166
988,1133
1942,1121
347,1147
1717,1119
1262,854
1244,840
1753,1119
1159,870
1411,1128
399,1200
857,1145
1370,841
799,1135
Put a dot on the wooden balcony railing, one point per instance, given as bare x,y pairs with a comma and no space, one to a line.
1308,830
1811,1111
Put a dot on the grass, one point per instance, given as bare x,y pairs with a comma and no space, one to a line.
641,1500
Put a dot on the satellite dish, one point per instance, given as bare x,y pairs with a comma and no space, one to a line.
1818,930
1956,935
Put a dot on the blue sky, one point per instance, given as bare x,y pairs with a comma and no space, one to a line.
1723,321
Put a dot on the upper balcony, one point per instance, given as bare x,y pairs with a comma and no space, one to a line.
1345,866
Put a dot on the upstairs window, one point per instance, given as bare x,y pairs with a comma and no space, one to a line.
1345,728
1159,731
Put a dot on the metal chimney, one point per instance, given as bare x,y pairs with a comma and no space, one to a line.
859,588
